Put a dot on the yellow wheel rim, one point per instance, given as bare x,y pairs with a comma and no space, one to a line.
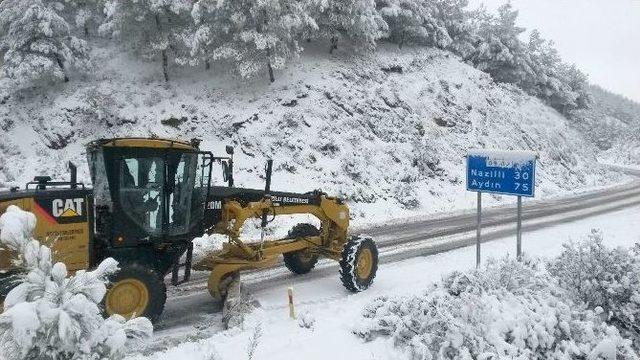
364,264
127,297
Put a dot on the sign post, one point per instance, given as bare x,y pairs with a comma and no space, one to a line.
501,172
478,237
519,230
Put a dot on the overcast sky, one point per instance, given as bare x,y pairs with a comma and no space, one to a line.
601,36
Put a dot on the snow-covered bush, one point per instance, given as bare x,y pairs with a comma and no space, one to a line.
602,278
51,316
507,310
306,320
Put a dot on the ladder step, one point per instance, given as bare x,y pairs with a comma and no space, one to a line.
175,273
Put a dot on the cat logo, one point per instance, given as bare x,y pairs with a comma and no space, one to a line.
67,208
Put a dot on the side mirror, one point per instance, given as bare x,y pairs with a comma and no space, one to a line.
229,149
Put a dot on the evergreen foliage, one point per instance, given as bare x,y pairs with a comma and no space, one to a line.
46,39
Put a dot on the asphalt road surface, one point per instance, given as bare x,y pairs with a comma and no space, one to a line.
189,305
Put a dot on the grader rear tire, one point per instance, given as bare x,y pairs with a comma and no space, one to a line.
136,290
301,262
359,263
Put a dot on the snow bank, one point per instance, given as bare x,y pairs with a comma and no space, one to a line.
49,315
507,310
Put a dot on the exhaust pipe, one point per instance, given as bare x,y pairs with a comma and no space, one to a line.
73,170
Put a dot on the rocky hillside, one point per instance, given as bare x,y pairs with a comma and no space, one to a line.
388,131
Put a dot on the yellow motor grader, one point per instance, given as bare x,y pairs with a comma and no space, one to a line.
151,197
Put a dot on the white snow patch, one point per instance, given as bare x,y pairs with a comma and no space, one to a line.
325,298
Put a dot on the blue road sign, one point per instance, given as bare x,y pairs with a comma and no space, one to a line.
502,172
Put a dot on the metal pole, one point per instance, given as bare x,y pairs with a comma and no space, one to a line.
519,230
478,230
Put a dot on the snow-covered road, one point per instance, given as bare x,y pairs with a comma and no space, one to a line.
191,314
336,311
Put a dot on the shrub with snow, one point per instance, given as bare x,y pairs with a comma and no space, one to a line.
507,310
603,279
306,320
52,316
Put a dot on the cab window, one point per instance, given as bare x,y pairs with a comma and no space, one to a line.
141,191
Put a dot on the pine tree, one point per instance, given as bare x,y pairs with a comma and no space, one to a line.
459,23
561,86
255,35
406,20
357,20
84,15
36,42
152,28
544,61
499,51
210,29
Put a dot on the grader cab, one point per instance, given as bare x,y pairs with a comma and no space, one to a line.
151,197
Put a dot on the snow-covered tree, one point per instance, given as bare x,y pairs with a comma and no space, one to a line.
459,23
406,20
579,84
615,105
252,35
51,316
544,61
356,20
84,15
561,86
499,51
211,29
36,42
152,28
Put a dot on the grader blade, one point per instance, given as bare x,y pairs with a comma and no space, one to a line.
222,273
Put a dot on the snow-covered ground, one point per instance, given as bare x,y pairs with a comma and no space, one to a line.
336,312
388,131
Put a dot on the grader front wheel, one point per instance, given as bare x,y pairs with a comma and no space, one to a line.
136,290
359,263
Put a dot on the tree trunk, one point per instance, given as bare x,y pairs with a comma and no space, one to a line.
86,30
269,67
61,65
334,44
165,66
259,28
401,40
165,60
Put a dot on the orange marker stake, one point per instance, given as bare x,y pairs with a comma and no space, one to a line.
292,311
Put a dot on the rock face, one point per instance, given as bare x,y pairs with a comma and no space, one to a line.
387,131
